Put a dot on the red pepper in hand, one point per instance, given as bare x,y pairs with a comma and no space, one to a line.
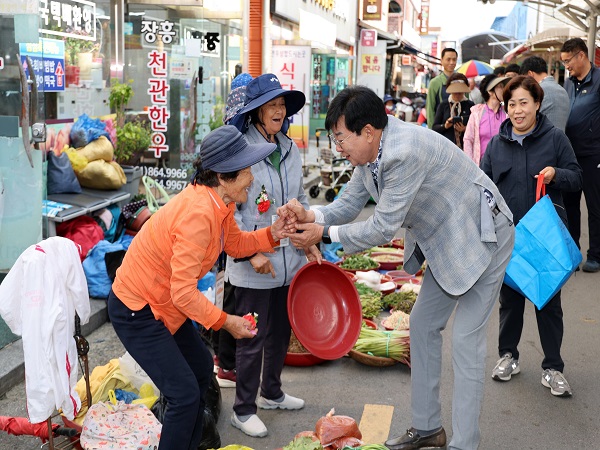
253,319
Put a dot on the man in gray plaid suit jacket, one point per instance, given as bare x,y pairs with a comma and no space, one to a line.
453,216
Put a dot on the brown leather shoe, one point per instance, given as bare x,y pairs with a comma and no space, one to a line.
412,440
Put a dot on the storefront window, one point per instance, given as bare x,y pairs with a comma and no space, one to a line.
84,30
180,70
330,74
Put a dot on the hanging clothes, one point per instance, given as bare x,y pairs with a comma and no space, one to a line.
38,301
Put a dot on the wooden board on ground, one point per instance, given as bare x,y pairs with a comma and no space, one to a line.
375,423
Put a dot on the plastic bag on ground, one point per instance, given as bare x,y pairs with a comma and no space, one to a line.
346,441
212,410
332,427
132,370
120,426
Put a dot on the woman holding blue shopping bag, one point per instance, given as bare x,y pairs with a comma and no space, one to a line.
527,147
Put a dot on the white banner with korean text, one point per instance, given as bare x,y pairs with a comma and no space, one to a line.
291,64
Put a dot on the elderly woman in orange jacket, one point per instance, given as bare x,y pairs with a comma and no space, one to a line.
154,297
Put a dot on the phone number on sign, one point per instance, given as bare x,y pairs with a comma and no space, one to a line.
173,185
159,172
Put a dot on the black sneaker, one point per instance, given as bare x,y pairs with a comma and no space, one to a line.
412,440
591,266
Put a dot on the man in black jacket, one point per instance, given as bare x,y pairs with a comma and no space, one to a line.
583,130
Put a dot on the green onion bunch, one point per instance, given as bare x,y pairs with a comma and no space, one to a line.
389,344
359,262
400,301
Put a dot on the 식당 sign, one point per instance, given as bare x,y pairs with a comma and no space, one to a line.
48,63
291,64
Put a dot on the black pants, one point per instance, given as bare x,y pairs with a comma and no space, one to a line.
549,322
225,342
270,343
179,364
591,191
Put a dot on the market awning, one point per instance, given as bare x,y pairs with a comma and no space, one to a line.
478,46
396,45
553,37
380,33
426,56
521,48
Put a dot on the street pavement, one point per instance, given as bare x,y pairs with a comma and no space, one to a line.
520,414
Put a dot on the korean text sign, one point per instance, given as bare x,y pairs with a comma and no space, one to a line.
48,63
291,64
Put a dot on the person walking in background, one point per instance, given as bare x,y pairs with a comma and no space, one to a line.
475,94
529,144
262,282
236,99
499,71
223,342
465,233
390,104
155,298
583,129
555,105
452,115
436,93
484,122
512,70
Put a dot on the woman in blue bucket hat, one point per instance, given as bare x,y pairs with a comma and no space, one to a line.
224,343
262,281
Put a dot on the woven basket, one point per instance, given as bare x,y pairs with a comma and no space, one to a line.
368,360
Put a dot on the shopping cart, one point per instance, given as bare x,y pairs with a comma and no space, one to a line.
335,172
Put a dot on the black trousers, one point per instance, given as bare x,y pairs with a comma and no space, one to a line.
225,342
267,349
591,191
179,364
549,322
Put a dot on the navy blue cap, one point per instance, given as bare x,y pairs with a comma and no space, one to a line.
225,150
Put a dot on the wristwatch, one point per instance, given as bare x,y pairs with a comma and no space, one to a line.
326,238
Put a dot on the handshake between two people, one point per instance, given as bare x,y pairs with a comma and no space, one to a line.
296,223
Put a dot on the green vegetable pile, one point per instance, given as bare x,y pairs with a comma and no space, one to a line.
400,301
358,262
303,443
370,300
390,344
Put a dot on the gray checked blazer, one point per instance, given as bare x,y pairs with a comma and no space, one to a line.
431,189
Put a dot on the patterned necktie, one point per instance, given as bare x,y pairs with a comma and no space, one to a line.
374,166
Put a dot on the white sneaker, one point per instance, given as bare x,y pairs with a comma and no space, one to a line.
557,383
506,367
288,402
252,427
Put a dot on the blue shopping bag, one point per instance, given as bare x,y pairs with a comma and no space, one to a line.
544,255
